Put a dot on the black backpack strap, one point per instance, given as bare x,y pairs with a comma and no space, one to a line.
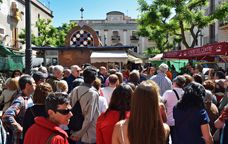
176,94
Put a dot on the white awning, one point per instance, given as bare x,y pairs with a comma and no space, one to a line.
108,56
156,57
134,59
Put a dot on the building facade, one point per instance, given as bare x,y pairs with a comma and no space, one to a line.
12,20
216,32
118,29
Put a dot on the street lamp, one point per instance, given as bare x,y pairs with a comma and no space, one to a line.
28,50
82,10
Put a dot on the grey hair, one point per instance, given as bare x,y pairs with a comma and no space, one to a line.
58,68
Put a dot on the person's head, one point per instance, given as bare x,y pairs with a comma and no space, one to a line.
134,77
27,84
89,75
75,70
43,69
121,100
120,77
58,71
151,70
16,73
41,92
66,73
103,70
62,86
193,96
97,84
163,68
188,79
58,108
209,85
145,115
50,69
113,80
198,68
12,84
179,81
198,78
39,77
219,75
219,86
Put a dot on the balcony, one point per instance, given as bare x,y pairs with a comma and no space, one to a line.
134,38
115,38
223,25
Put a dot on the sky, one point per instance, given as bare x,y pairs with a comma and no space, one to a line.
66,10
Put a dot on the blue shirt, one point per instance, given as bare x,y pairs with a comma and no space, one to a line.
188,125
163,82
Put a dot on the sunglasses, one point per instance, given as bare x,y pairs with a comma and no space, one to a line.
64,111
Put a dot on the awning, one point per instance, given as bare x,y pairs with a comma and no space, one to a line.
207,52
156,57
108,56
134,59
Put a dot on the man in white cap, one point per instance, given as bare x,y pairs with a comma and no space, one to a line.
161,79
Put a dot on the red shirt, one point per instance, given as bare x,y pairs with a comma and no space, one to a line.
105,125
43,128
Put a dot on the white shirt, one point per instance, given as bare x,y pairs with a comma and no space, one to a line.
102,104
107,92
170,99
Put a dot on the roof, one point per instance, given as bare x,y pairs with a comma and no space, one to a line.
102,48
4,52
115,13
108,56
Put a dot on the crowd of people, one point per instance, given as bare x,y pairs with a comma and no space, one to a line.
88,105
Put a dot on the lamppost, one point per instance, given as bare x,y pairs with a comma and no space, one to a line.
82,10
28,50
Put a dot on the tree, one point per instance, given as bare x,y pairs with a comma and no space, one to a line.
48,35
167,22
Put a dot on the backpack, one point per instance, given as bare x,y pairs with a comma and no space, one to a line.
77,119
9,101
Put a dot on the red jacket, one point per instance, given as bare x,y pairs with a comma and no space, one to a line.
40,132
105,125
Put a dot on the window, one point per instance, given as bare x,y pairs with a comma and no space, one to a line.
134,36
2,31
115,33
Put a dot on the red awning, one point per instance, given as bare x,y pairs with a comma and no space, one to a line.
207,52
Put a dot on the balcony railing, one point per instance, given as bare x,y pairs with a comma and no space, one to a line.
115,38
133,38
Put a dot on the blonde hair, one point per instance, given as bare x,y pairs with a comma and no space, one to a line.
12,84
62,86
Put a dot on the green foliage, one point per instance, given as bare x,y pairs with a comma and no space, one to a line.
48,35
167,21
151,51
